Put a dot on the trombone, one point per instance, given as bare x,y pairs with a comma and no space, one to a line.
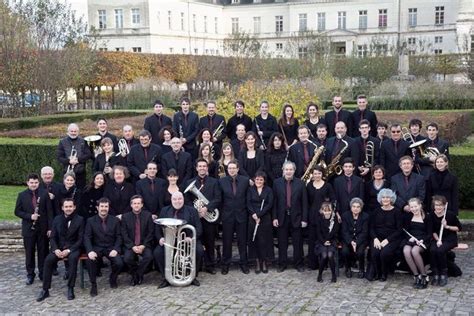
408,137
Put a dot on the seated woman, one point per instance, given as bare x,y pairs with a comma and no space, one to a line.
416,243
385,234
327,229
442,227
355,236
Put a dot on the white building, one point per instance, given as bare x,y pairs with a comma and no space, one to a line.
282,27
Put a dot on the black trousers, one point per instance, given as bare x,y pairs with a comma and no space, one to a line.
382,258
94,265
51,262
137,267
349,255
209,233
312,258
438,257
228,229
37,243
284,231
159,256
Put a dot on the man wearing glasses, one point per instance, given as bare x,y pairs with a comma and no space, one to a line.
392,150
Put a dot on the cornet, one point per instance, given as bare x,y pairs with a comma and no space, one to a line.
72,156
123,148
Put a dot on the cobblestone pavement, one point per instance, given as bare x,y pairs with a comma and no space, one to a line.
273,293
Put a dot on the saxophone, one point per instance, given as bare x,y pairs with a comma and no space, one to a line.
221,170
334,167
307,174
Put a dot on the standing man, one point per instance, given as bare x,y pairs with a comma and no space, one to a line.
238,118
433,141
128,136
362,142
290,215
346,187
52,187
338,114
103,132
238,143
302,152
34,207
152,190
141,154
155,122
265,124
186,126
363,113
337,144
392,150
321,134
179,160
407,184
212,121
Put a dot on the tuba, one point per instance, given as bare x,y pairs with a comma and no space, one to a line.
180,254
201,201
123,148
334,167
307,174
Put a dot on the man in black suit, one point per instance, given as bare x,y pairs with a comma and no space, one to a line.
407,184
238,143
382,132
433,141
238,118
66,243
212,121
103,132
137,234
209,187
264,124
155,122
234,216
128,136
152,190
346,187
321,134
338,114
362,142
178,210
51,186
179,160
140,155
103,238
290,215
363,113
336,144
392,150
186,126
302,152
35,209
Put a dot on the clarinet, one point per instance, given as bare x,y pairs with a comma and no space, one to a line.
36,211
264,147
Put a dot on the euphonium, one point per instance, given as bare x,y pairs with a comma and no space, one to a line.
314,161
123,148
201,201
92,141
334,167
180,260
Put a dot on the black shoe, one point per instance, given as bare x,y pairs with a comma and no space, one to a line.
417,282
139,280
383,278
30,280
99,273
163,284
244,269
443,280
196,282
333,278
93,290
43,295
210,270
257,270
66,275
224,270
264,267
435,280
348,273
40,276
55,271
361,275
424,282
300,269
113,282
281,269
320,278
70,293
134,280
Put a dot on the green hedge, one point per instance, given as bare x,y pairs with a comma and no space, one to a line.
421,104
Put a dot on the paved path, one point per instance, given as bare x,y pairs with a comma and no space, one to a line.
288,292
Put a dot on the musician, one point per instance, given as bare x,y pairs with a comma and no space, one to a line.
92,193
313,119
302,153
373,187
413,245
336,145
68,189
209,187
251,159
166,135
439,247
234,216
385,235
382,132
205,138
103,132
337,114
156,122
415,126
238,143
227,155
259,205
363,113
103,238
187,213
355,237
186,126
392,150
66,241
172,186
238,118
137,233
288,124
290,215
141,154
66,157
264,124
443,182
321,134
213,121
346,187
433,141
105,161
33,206
327,230
205,152
119,192
47,183
275,156
179,160
152,190
128,136
407,184
318,191
361,142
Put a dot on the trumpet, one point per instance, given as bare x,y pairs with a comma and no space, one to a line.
73,156
264,147
181,131
123,148
218,132
201,201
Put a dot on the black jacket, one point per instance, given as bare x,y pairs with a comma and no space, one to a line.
267,126
146,229
357,231
24,209
389,157
234,121
209,188
344,197
358,116
445,184
187,213
296,154
63,152
217,119
119,196
331,121
137,160
67,236
234,206
415,188
152,192
334,146
299,202
184,165
190,130
154,124
95,238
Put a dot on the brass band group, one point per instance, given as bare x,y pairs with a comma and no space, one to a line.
336,183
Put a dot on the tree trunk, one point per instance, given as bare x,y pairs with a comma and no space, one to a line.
113,97
92,98
100,97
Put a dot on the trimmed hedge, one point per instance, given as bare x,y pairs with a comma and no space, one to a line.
421,104
16,161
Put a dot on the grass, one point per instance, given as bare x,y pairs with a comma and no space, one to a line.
28,141
8,194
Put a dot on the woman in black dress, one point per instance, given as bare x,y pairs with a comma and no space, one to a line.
313,119
119,192
105,161
68,190
288,125
259,205
275,156
165,135
227,155
172,186
327,230
205,137
440,246
385,235
373,187
251,158
319,191
92,193
443,182
205,153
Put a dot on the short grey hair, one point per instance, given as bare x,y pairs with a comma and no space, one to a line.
47,169
386,193
72,125
127,126
357,200
288,162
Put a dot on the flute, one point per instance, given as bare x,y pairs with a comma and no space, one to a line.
420,243
256,225
440,236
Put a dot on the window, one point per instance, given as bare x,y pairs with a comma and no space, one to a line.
216,25
279,23
256,24
205,24
321,21
279,46
184,50
102,49
169,20
102,19
438,39
235,25
341,20
137,49
206,52
412,17
411,41
196,51
438,51
361,50
119,49
136,16
118,18
171,50
381,49
303,22
194,23
235,1
439,15
363,19
383,18
182,21
302,52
